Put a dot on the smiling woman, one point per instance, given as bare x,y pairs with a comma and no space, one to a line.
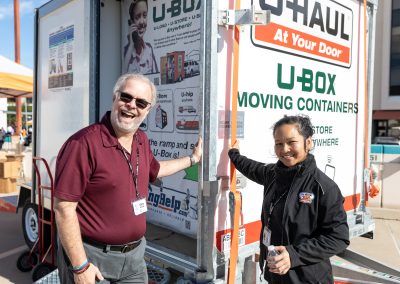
302,211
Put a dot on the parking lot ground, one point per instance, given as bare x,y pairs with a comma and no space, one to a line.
385,246
12,245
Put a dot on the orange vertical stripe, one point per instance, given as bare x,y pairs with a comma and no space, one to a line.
237,196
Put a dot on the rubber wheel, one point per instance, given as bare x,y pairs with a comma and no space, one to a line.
27,261
30,224
42,270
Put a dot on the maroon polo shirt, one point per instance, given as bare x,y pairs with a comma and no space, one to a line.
91,169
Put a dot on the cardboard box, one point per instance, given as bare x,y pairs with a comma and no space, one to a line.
8,185
15,157
3,155
10,169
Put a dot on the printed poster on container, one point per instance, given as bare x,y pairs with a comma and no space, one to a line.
162,41
61,47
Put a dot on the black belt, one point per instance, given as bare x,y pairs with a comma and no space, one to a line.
120,248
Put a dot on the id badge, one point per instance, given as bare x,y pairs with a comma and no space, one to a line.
139,206
266,240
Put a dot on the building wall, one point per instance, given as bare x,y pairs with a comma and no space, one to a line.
382,100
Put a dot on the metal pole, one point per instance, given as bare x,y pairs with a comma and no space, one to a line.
18,103
16,31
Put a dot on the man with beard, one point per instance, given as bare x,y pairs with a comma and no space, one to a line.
101,186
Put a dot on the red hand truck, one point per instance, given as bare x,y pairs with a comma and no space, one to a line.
41,256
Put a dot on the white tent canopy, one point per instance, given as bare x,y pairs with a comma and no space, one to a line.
16,80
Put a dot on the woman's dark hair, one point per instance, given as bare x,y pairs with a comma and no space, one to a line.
303,123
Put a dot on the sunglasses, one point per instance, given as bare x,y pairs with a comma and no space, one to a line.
127,98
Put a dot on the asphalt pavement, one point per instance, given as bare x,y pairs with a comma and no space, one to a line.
12,245
385,246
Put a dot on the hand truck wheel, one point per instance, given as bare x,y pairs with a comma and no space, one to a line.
27,261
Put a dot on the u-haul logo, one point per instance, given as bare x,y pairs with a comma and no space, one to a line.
319,30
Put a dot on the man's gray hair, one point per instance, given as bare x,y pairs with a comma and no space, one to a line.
121,83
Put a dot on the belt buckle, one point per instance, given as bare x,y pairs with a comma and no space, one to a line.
125,248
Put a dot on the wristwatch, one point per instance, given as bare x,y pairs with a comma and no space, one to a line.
192,160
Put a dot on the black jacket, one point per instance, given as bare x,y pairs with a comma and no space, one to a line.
313,231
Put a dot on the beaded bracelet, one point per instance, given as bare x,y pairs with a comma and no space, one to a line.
83,269
79,267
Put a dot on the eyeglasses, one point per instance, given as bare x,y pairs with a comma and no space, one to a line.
127,98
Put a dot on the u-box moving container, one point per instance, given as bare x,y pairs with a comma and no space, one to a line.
296,58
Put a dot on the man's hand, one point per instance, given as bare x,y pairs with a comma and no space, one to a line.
89,276
279,264
170,167
198,150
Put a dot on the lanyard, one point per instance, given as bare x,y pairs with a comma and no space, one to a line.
134,177
273,204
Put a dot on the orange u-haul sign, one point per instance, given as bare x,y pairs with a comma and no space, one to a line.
318,30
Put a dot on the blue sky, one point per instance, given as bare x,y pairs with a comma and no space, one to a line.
26,14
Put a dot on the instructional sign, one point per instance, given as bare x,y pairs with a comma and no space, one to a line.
61,50
161,39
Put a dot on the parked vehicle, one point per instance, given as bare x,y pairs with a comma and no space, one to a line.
191,68
187,125
188,109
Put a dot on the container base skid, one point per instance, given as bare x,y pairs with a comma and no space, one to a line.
361,223
157,275
352,267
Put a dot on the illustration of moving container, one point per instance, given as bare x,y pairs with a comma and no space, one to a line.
161,118
172,67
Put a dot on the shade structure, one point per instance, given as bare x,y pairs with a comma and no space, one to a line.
16,80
